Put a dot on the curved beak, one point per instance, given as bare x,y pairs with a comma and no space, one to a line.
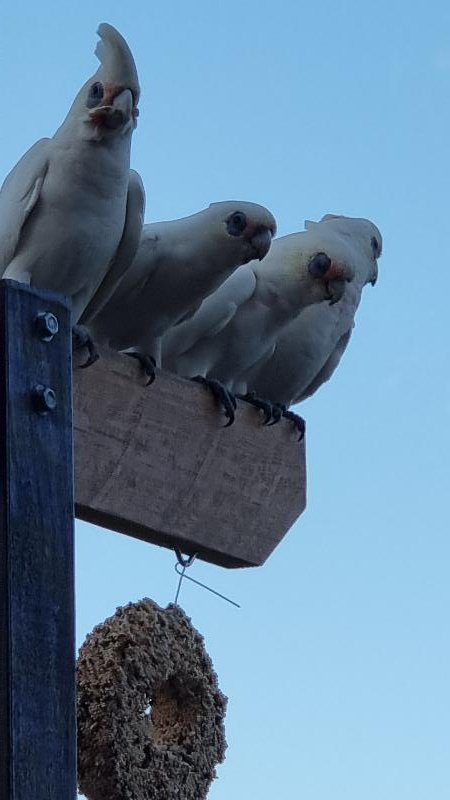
261,241
336,290
374,277
115,110
336,277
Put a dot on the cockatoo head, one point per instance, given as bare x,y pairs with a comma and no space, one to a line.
331,273
108,101
301,269
365,235
244,229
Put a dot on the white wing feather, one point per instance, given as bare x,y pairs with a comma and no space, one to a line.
18,197
214,314
134,220
328,368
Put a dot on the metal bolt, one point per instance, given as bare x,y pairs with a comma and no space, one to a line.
46,325
44,399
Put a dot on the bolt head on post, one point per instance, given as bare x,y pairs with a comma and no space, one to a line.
43,398
46,325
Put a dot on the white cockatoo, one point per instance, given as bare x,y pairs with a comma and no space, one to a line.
309,349
236,328
71,211
177,265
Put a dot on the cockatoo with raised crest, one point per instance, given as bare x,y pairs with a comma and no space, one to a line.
71,211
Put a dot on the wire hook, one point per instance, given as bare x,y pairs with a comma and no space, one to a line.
180,568
184,561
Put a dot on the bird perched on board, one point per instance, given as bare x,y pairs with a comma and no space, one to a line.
71,210
309,349
177,265
236,328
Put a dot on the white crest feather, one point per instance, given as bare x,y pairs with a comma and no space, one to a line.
116,59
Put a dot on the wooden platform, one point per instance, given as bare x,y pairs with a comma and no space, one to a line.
156,463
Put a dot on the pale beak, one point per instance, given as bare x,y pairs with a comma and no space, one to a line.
115,113
335,277
336,289
374,277
261,241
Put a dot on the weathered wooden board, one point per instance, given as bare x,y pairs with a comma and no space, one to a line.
156,463
37,641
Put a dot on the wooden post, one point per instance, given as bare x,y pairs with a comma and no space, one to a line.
37,682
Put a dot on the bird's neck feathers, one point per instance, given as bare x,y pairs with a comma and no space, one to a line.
278,288
193,245
76,130
79,138
103,169
279,265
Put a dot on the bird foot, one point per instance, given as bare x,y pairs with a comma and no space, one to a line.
221,394
298,421
82,338
263,405
147,363
278,410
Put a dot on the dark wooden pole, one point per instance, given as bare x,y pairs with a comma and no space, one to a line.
37,683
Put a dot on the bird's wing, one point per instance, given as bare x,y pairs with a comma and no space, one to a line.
18,197
304,347
328,368
214,314
126,251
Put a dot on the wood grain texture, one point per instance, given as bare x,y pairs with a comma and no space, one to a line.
37,654
156,463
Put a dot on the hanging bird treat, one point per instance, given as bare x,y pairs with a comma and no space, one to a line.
150,712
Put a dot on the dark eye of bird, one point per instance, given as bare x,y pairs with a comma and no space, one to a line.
375,246
95,95
237,223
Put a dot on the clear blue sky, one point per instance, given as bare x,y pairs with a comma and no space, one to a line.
337,665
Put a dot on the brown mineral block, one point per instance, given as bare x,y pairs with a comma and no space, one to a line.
156,462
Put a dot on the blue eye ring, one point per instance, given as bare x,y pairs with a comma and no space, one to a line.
95,96
236,223
375,245
319,265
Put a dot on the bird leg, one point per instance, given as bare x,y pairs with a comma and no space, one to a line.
82,338
221,394
148,363
278,410
298,421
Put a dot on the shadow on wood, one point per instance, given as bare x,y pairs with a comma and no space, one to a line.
156,463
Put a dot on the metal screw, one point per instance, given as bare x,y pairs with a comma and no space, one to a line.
44,399
46,325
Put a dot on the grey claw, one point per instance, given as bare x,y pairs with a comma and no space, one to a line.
263,405
277,413
147,363
82,338
298,421
222,395
91,359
